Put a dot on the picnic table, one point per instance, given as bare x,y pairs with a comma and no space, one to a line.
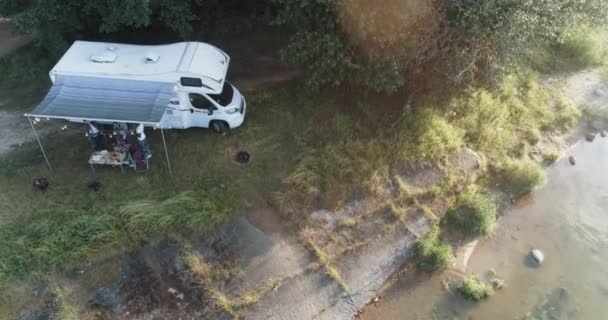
120,157
108,158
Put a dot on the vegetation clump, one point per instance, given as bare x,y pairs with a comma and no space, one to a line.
550,158
582,48
472,288
519,176
474,213
426,135
433,252
505,122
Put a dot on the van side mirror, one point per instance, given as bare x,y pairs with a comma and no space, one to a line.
210,111
191,110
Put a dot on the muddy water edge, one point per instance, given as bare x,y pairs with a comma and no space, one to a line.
567,220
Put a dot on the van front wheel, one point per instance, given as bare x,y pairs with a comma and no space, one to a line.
219,126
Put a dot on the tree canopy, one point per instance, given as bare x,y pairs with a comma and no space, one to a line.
337,42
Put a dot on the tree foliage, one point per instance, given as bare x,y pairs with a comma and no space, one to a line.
58,22
365,43
492,34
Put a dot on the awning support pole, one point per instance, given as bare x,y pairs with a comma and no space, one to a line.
162,133
40,144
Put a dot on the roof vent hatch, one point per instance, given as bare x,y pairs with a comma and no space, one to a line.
104,57
152,57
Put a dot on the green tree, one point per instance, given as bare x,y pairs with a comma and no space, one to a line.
57,22
489,35
373,44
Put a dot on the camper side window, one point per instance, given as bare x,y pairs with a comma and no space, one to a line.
191,82
200,102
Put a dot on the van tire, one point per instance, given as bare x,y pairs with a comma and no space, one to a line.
218,126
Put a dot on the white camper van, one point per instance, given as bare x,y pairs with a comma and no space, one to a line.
190,77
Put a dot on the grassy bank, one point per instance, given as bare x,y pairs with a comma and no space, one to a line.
308,151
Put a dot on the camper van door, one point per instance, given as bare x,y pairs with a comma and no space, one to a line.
201,109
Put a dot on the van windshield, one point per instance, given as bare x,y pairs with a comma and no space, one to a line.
225,97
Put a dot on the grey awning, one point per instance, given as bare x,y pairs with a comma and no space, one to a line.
104,99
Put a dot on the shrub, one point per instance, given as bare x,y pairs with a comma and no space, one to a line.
434,253
564,117
474,213
508,120
550,158
581,49
520,176
425,134
533,136
472,288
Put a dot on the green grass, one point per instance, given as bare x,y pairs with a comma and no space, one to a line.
519,176
307,152
472,288
425,134
433,252
474,213
41,232
550,158
504,123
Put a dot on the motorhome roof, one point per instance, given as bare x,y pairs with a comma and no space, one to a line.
166,63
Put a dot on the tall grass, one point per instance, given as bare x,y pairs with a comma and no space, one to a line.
519,176
504,123
425,135
56,237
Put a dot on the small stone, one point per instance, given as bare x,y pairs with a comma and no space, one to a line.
172,291
537,257
180,296
572,160
590,137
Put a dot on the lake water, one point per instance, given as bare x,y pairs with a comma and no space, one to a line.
567,220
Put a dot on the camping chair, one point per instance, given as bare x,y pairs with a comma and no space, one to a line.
138,162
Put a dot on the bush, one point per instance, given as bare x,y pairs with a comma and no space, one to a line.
434,253
474,213
581,49
472,288
533,136
425,135
520,176
505,122
550,158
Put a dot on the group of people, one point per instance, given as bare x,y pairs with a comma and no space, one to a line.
122,138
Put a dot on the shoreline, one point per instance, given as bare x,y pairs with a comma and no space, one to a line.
464,249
